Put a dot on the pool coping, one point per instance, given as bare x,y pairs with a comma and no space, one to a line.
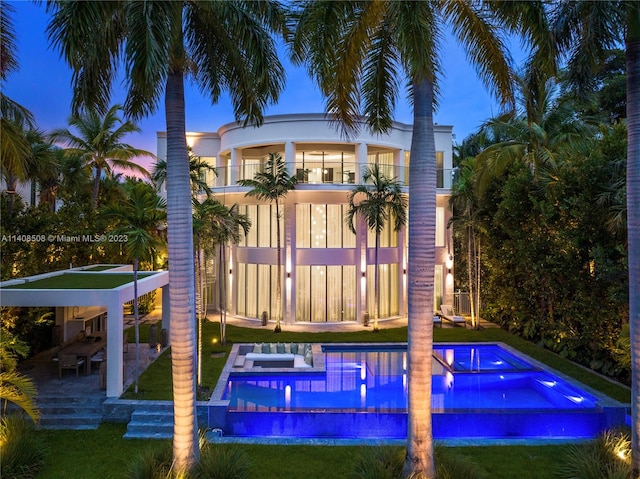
603,401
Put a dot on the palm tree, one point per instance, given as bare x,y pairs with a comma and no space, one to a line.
99,144
225,46
383,201
360,60
197,171
15,120
539,133
138,219
226,228
463,203
272,185
585,32
15,387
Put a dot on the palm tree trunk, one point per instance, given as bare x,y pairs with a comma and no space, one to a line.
633,218
471,262
478,272
96,187
376,287
422,214
198,267
278,281
136,320
181,276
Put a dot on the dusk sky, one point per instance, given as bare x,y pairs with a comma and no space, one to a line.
43,85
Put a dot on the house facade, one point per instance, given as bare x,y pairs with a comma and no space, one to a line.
327,271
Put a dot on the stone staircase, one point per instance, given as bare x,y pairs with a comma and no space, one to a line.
153,421
64,412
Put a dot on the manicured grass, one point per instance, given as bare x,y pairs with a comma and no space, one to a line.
155,383
80,281
103,454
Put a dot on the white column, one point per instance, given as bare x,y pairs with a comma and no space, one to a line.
115,331
290,156
235,167
361,159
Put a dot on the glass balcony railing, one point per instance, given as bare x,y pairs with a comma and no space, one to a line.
338,173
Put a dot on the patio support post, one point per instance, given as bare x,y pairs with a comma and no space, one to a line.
115,330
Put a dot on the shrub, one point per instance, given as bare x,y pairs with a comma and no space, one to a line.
22,452
221,462
388,462
606,457
152,464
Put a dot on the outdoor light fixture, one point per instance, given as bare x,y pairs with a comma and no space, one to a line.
363,274
230,271
404,271
288,275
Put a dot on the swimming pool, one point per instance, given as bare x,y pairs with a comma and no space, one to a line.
479,390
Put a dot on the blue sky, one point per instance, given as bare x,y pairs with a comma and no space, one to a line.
43,85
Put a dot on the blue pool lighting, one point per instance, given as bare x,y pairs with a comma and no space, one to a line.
484,391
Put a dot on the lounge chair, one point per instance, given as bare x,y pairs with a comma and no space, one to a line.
437,320
447,313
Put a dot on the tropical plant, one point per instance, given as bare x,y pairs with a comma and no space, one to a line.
99,144
137,219
272,185
606,457
198,168
15,387
383,202
226,228
224,46
585,31
463,202
361,60
22,450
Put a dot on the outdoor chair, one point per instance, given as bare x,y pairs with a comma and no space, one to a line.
447,313
69,361
437,320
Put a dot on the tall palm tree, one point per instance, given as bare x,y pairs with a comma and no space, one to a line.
538,133
14,118
361,61
383,201
463,203
224,46
585,32
226,228
138,219
198,168
272,185
98,143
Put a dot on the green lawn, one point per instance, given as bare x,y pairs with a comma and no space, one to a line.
104,454
156,384
80,281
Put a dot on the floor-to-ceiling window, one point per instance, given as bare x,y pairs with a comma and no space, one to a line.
388,293
256,289
323,164
323,226
325,293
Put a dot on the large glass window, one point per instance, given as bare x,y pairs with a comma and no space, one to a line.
322,226
388,237
384,160
440,226
256,285
388,299
326,166
262,233
325,293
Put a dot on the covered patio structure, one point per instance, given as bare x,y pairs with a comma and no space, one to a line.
88,297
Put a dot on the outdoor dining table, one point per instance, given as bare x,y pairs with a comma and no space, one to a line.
85,349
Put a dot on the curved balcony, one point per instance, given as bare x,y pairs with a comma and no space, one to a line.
326,173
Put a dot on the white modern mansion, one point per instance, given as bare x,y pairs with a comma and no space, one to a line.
328,272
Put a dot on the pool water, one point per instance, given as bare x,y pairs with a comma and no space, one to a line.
377,380
477,390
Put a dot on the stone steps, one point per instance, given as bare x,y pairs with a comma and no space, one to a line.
153,421
63,412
